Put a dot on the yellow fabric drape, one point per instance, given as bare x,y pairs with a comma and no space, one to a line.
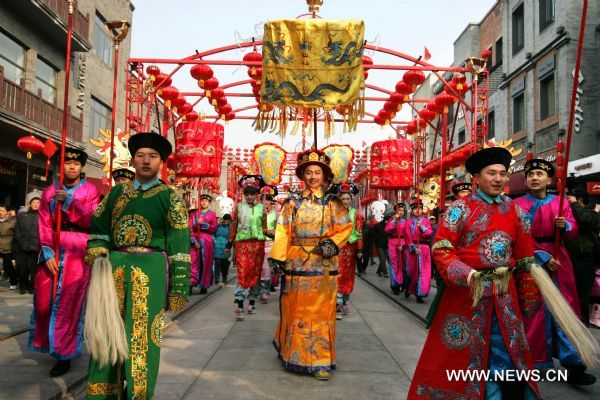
310,64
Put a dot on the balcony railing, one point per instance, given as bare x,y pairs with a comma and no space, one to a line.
81,23
35,109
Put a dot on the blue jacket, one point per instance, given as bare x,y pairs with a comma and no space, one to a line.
221,238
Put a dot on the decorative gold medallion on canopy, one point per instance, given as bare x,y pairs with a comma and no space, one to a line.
311,65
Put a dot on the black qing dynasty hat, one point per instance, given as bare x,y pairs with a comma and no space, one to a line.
152,141
490,156
72,153
538,163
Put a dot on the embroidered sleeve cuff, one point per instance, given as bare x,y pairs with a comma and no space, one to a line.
458,273
46,253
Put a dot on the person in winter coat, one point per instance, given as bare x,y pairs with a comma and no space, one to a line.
7,227
27,245
584,249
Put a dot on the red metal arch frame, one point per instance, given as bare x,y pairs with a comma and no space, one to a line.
139,106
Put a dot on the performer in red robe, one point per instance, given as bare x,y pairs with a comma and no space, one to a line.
478,326
546,338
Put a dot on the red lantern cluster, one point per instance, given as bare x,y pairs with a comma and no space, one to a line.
392,164
452,160
255,73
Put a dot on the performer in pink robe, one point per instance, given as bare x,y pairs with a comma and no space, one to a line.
57,323
545,337
203,225
397,251
417,233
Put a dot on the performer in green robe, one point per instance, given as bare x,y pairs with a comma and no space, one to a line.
143,226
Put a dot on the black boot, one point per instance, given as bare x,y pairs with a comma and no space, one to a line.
60,368
396,290
203,290
420,300
578,377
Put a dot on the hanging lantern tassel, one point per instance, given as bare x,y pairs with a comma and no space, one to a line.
47,167
296,122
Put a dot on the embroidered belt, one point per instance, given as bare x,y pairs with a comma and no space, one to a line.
313,241
73,228
310,273
136,249
544,239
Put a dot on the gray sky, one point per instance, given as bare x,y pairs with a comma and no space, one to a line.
176,28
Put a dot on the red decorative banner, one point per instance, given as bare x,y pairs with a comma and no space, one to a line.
392,165
198,149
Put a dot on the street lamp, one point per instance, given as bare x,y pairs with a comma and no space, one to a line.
118,31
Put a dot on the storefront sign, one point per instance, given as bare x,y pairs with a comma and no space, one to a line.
578,109
593,187
584,166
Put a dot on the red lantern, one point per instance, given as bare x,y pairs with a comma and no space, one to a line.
444,100
396,97
198,149
560,146
168,94
427,114
255,73
177,102
152,71
404,89
385,116
414,78
184,109
378,120
191,116
162,80
226,109
391,107
253,56
367,62
256,83
229,116
411,128
201,73
215,94
486,54
30,145
365,74
210,84
220,101
256,91
433,106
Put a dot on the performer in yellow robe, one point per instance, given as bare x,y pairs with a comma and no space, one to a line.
311,229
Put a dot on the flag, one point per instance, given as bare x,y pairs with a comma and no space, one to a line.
426,54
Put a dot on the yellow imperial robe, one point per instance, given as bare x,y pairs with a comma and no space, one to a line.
305,335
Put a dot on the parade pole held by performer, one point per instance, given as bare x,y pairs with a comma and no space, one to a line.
417,232
350,251
480,240
248,234
203,225
141,227
311,229
397,252
545,337
56,320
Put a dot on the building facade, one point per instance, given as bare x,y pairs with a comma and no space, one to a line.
533,46
33,36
